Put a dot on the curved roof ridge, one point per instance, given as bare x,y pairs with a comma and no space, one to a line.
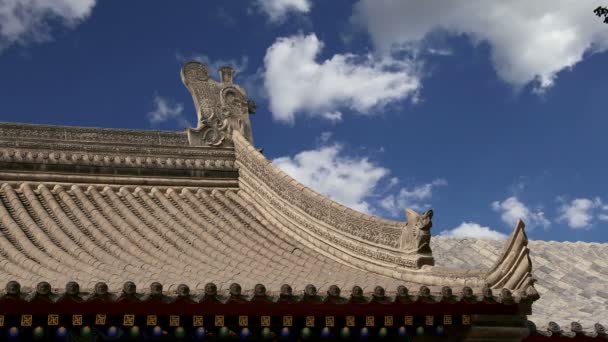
330,202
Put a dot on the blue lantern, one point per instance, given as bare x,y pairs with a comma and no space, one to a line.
61,333
439,330
157,331
200,333
13,332
112,331
245,333
364,333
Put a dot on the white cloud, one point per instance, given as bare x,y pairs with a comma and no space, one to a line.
297,83
165,110
440,51
345,179
414,198
529,40
324,137
24,21
474,230
579,213
277,10
513,209
334,116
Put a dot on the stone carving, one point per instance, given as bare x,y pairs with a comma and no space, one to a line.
202,160
416,237
365,235
221,107
34,132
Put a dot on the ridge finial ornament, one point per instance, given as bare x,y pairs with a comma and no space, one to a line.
221,106
416,236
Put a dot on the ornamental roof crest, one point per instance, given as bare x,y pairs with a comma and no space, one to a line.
221,107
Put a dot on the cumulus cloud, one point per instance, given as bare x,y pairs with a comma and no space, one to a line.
474,230
24,21
166,110
529,40
415,197
512,209
580,212
603,216
346,179
297,83
277,10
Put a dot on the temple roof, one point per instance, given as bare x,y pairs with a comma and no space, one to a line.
205,206
99,205
572,277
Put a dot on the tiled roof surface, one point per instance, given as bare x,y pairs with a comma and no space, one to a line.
572,277
58,234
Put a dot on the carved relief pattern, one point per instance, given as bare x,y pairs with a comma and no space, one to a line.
126,136
262,196
133,157
221,107
254,173
213,130
371,230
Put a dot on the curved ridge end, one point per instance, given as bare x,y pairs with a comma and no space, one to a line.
513,268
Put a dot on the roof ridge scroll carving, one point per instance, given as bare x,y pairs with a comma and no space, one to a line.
402,243
387,244
221,107
513,268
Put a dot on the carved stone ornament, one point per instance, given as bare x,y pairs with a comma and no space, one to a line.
221,107
416,237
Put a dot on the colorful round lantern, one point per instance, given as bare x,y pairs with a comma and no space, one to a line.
157,331
245,333
180,332
325,332
383,332
345,332
266,333
134,332
402,332
439,330
13,332
224,332
306,333
285,332
38,332
200,333
112,332
420,331
364,333
61,333
85,331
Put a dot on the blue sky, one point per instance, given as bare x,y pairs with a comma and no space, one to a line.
378,104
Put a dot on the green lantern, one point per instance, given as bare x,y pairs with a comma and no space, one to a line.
383,332
345,333
38,332
134,331
180,332
224,332
85,331
306,333
420,331
266,333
